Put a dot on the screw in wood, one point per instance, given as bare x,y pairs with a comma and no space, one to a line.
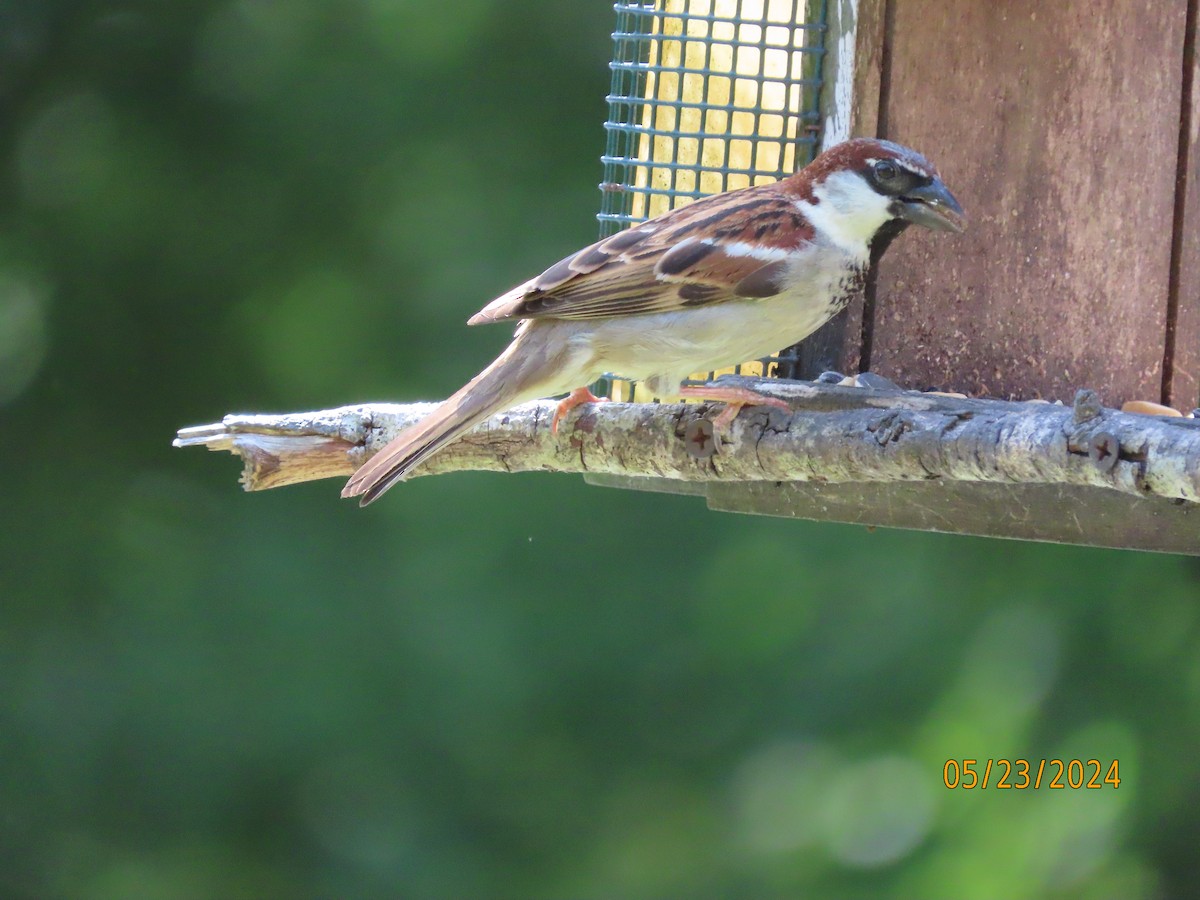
698,439
1104,450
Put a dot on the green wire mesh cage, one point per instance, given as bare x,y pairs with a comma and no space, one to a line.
708,96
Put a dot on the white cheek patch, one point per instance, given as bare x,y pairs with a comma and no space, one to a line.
848,211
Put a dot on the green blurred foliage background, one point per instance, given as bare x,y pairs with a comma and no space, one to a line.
483,686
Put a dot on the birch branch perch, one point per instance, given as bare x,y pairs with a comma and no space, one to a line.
833,435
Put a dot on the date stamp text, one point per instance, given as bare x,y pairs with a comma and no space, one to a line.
1026,774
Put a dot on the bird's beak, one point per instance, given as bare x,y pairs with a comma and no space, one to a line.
932,206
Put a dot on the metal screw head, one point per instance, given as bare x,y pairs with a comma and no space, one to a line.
698,439
1104,450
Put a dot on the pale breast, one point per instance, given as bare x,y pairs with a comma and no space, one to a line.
669,346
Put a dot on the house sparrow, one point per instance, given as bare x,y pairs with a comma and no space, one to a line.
728,278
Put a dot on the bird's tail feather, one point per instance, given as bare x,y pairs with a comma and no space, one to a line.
513,378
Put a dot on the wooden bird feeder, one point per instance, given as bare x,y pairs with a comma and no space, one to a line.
1067,131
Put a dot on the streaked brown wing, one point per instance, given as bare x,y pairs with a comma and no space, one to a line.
661,266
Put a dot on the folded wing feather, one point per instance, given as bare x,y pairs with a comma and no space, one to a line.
661,266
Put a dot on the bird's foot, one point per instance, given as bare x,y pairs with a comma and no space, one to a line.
577,397
735,398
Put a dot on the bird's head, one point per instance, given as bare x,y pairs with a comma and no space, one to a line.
855,188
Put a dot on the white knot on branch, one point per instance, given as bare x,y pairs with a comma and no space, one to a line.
833,435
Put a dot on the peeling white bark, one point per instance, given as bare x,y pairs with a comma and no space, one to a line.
843,20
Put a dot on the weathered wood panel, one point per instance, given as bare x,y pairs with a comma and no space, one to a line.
869,49
854,65
869,27
1184,387
1057,125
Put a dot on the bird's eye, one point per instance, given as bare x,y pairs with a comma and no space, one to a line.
885,170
